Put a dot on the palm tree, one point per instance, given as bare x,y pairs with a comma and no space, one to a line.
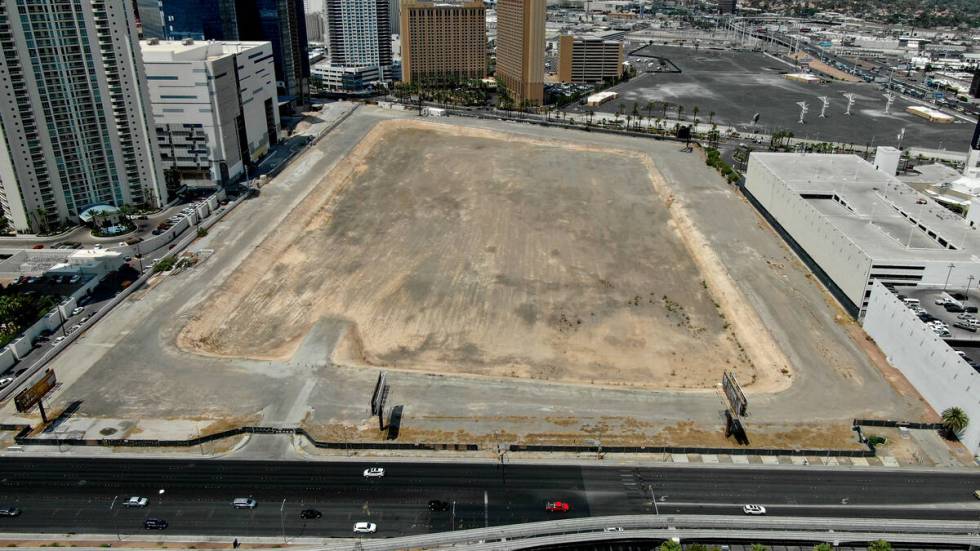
670,545
651,105
711,116
680,112
955,419
696,110
879,545
636,112
665,106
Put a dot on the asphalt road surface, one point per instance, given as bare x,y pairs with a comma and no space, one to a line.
76,495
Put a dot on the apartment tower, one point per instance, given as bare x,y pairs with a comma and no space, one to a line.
360,34
520,49
75,127
443,43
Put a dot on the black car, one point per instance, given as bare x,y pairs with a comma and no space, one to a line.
9,512
310,514
436,505
155,524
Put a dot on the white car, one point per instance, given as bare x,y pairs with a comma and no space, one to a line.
58,339
77,311
365,527
753,509
136,501
374,472
6,381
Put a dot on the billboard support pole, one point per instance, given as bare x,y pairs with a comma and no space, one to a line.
44,417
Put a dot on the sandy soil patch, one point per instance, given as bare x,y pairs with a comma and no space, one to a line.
459,250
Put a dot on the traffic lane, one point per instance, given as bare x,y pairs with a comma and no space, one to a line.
819,486
816,486
219,517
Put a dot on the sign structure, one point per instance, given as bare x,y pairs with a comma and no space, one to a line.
32,395
736,398
376,397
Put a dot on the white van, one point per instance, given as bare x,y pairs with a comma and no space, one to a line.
244,503
911,301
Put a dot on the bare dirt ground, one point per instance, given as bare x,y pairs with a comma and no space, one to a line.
473,252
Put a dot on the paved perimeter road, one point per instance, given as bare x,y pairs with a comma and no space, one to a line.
74,495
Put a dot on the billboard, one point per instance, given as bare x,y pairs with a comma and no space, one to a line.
30,396
736,398
376,397
975,144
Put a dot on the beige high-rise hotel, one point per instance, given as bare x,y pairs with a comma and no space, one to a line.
520,49
443,43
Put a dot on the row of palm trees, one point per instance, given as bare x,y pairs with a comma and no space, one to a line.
664,107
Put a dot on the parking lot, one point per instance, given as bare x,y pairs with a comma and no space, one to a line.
737,85
958,324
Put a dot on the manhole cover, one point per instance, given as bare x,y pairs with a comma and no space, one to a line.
108,431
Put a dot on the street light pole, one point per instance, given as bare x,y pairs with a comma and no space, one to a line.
653,498
282,519
116,520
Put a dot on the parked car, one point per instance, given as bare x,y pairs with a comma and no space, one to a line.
310,514
136,501
9,512
753,509
374,472
365,527
77,311
6,381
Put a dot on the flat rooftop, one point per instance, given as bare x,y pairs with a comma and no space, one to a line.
163,51
883,216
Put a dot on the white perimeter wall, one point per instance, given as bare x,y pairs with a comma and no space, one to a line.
940,375
842,260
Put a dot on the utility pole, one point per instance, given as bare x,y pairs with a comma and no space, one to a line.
486,510
453,528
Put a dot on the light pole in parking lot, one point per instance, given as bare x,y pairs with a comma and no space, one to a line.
653,498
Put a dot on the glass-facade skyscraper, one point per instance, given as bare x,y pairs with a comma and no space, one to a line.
280,22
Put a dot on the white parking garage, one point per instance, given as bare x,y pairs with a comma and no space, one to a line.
855,224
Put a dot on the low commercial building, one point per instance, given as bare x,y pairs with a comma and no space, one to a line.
589,59
598,99
329,78
214,106
854,224
930,114
942,365
443,43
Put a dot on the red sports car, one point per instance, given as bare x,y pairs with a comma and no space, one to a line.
557,507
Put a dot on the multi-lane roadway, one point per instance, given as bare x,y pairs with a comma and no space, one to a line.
86,495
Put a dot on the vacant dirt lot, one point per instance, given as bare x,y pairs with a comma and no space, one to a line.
470,252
